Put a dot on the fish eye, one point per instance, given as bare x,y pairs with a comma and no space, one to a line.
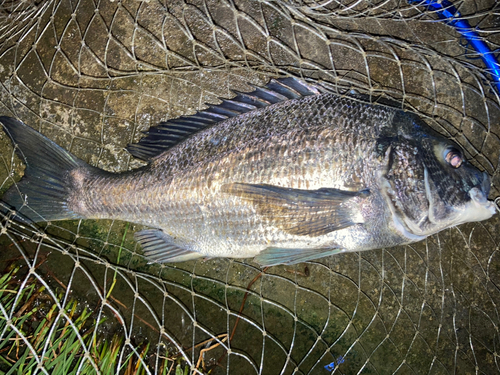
453,157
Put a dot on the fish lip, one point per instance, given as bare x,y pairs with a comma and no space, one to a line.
477,196
479,193
484,207
479,199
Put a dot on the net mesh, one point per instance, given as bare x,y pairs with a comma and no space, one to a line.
92,74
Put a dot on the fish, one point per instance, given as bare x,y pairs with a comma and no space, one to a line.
287,173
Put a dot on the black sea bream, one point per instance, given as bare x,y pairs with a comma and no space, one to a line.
287,173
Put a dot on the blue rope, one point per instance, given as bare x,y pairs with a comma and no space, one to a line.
446,11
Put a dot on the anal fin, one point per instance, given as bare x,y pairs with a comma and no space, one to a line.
273,256
159,248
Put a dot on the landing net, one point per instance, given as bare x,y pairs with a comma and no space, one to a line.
91,75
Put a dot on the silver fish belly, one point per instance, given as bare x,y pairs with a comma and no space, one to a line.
287,173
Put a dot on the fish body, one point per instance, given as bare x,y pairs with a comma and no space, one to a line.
287,173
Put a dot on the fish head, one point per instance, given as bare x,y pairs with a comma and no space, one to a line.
430,184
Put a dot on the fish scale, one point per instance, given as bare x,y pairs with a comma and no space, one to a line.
286,173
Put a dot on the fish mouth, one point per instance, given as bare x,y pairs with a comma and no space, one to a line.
477,209
479,197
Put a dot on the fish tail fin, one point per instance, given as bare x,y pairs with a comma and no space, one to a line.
42,193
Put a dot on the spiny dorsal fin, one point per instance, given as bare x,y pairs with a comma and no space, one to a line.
160,138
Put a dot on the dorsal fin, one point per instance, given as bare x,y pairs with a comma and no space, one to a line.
160,138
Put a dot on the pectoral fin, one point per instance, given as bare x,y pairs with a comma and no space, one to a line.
273,256
159,248
301,212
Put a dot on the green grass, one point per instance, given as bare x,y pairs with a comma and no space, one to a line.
40,334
